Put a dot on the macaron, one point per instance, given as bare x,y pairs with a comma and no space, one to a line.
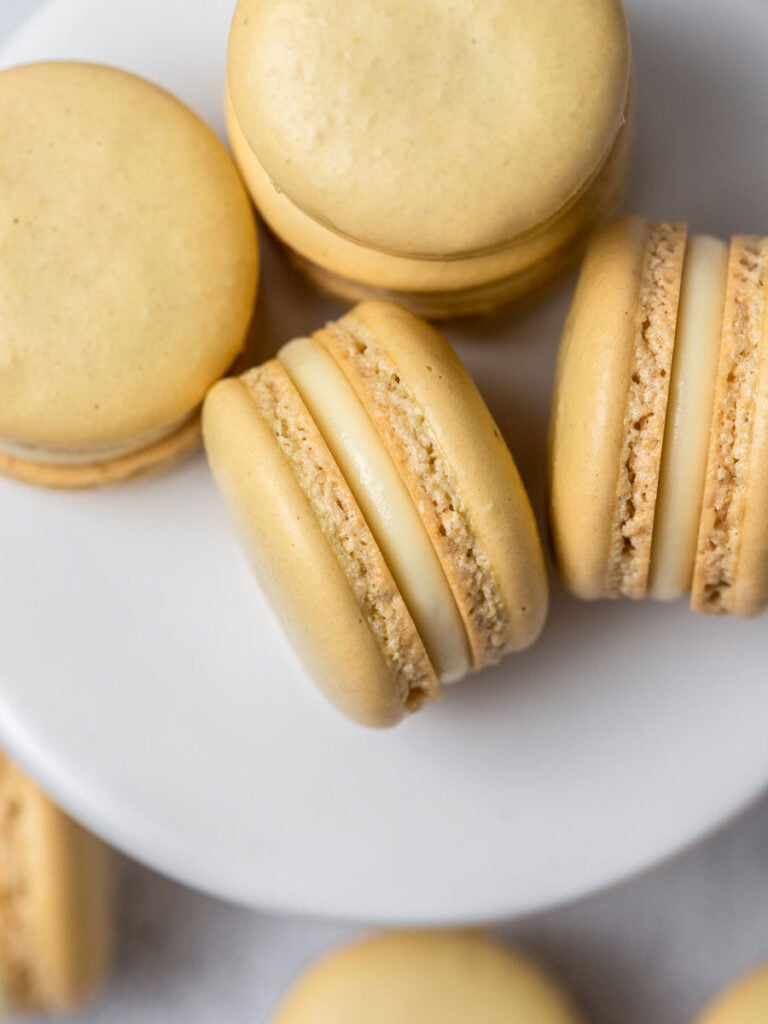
451,159
435,977
129,263
56,919
659,434
381,510
744,1002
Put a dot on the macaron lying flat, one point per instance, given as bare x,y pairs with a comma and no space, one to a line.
745,1002
129,265
381,509
451,156
658,446
425,978
56,907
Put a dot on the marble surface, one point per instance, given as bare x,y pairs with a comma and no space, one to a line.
650,951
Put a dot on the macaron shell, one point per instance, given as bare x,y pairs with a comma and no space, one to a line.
58,889
73,896
745,1002
731,570
587,426
369,116
446,977
433,288
157,456
609,407
501,529
296,565
128,247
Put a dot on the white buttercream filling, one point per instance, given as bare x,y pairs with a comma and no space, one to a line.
689,417
384,501
95,454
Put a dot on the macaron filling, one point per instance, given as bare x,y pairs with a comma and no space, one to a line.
384,501
689,417
95,453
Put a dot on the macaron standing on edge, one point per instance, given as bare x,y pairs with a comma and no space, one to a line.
659,433
129,263
451,157
381,510
56,910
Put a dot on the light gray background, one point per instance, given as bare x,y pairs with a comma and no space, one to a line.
649,953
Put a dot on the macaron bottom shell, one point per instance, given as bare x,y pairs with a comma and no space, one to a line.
436,288
97,469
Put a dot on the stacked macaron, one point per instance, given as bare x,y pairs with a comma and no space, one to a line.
129,264
55,902
381,509
451,157
660,420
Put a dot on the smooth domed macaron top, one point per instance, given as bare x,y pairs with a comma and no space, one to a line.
128,257
744,1002
430,129
435,977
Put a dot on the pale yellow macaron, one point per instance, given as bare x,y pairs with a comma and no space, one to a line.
381,509
56,913
744,1002
658,448
129,263
452,157
449,977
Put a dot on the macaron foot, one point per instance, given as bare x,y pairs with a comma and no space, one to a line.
81,476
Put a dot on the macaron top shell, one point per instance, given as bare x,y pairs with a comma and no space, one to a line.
745,1002
127,255
609,407
305,568
425,978
731,572
430,129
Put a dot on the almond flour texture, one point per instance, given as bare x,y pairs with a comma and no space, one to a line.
427,472
727,479
646,410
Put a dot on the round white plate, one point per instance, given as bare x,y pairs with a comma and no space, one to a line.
143,681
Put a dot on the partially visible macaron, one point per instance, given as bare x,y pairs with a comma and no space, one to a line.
434,977
381,509
129,263
743,1002
658,448
451,158
56,913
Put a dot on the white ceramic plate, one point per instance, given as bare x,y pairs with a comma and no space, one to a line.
143,681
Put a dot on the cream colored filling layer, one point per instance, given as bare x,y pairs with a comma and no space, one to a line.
384,501
689,417
85,456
